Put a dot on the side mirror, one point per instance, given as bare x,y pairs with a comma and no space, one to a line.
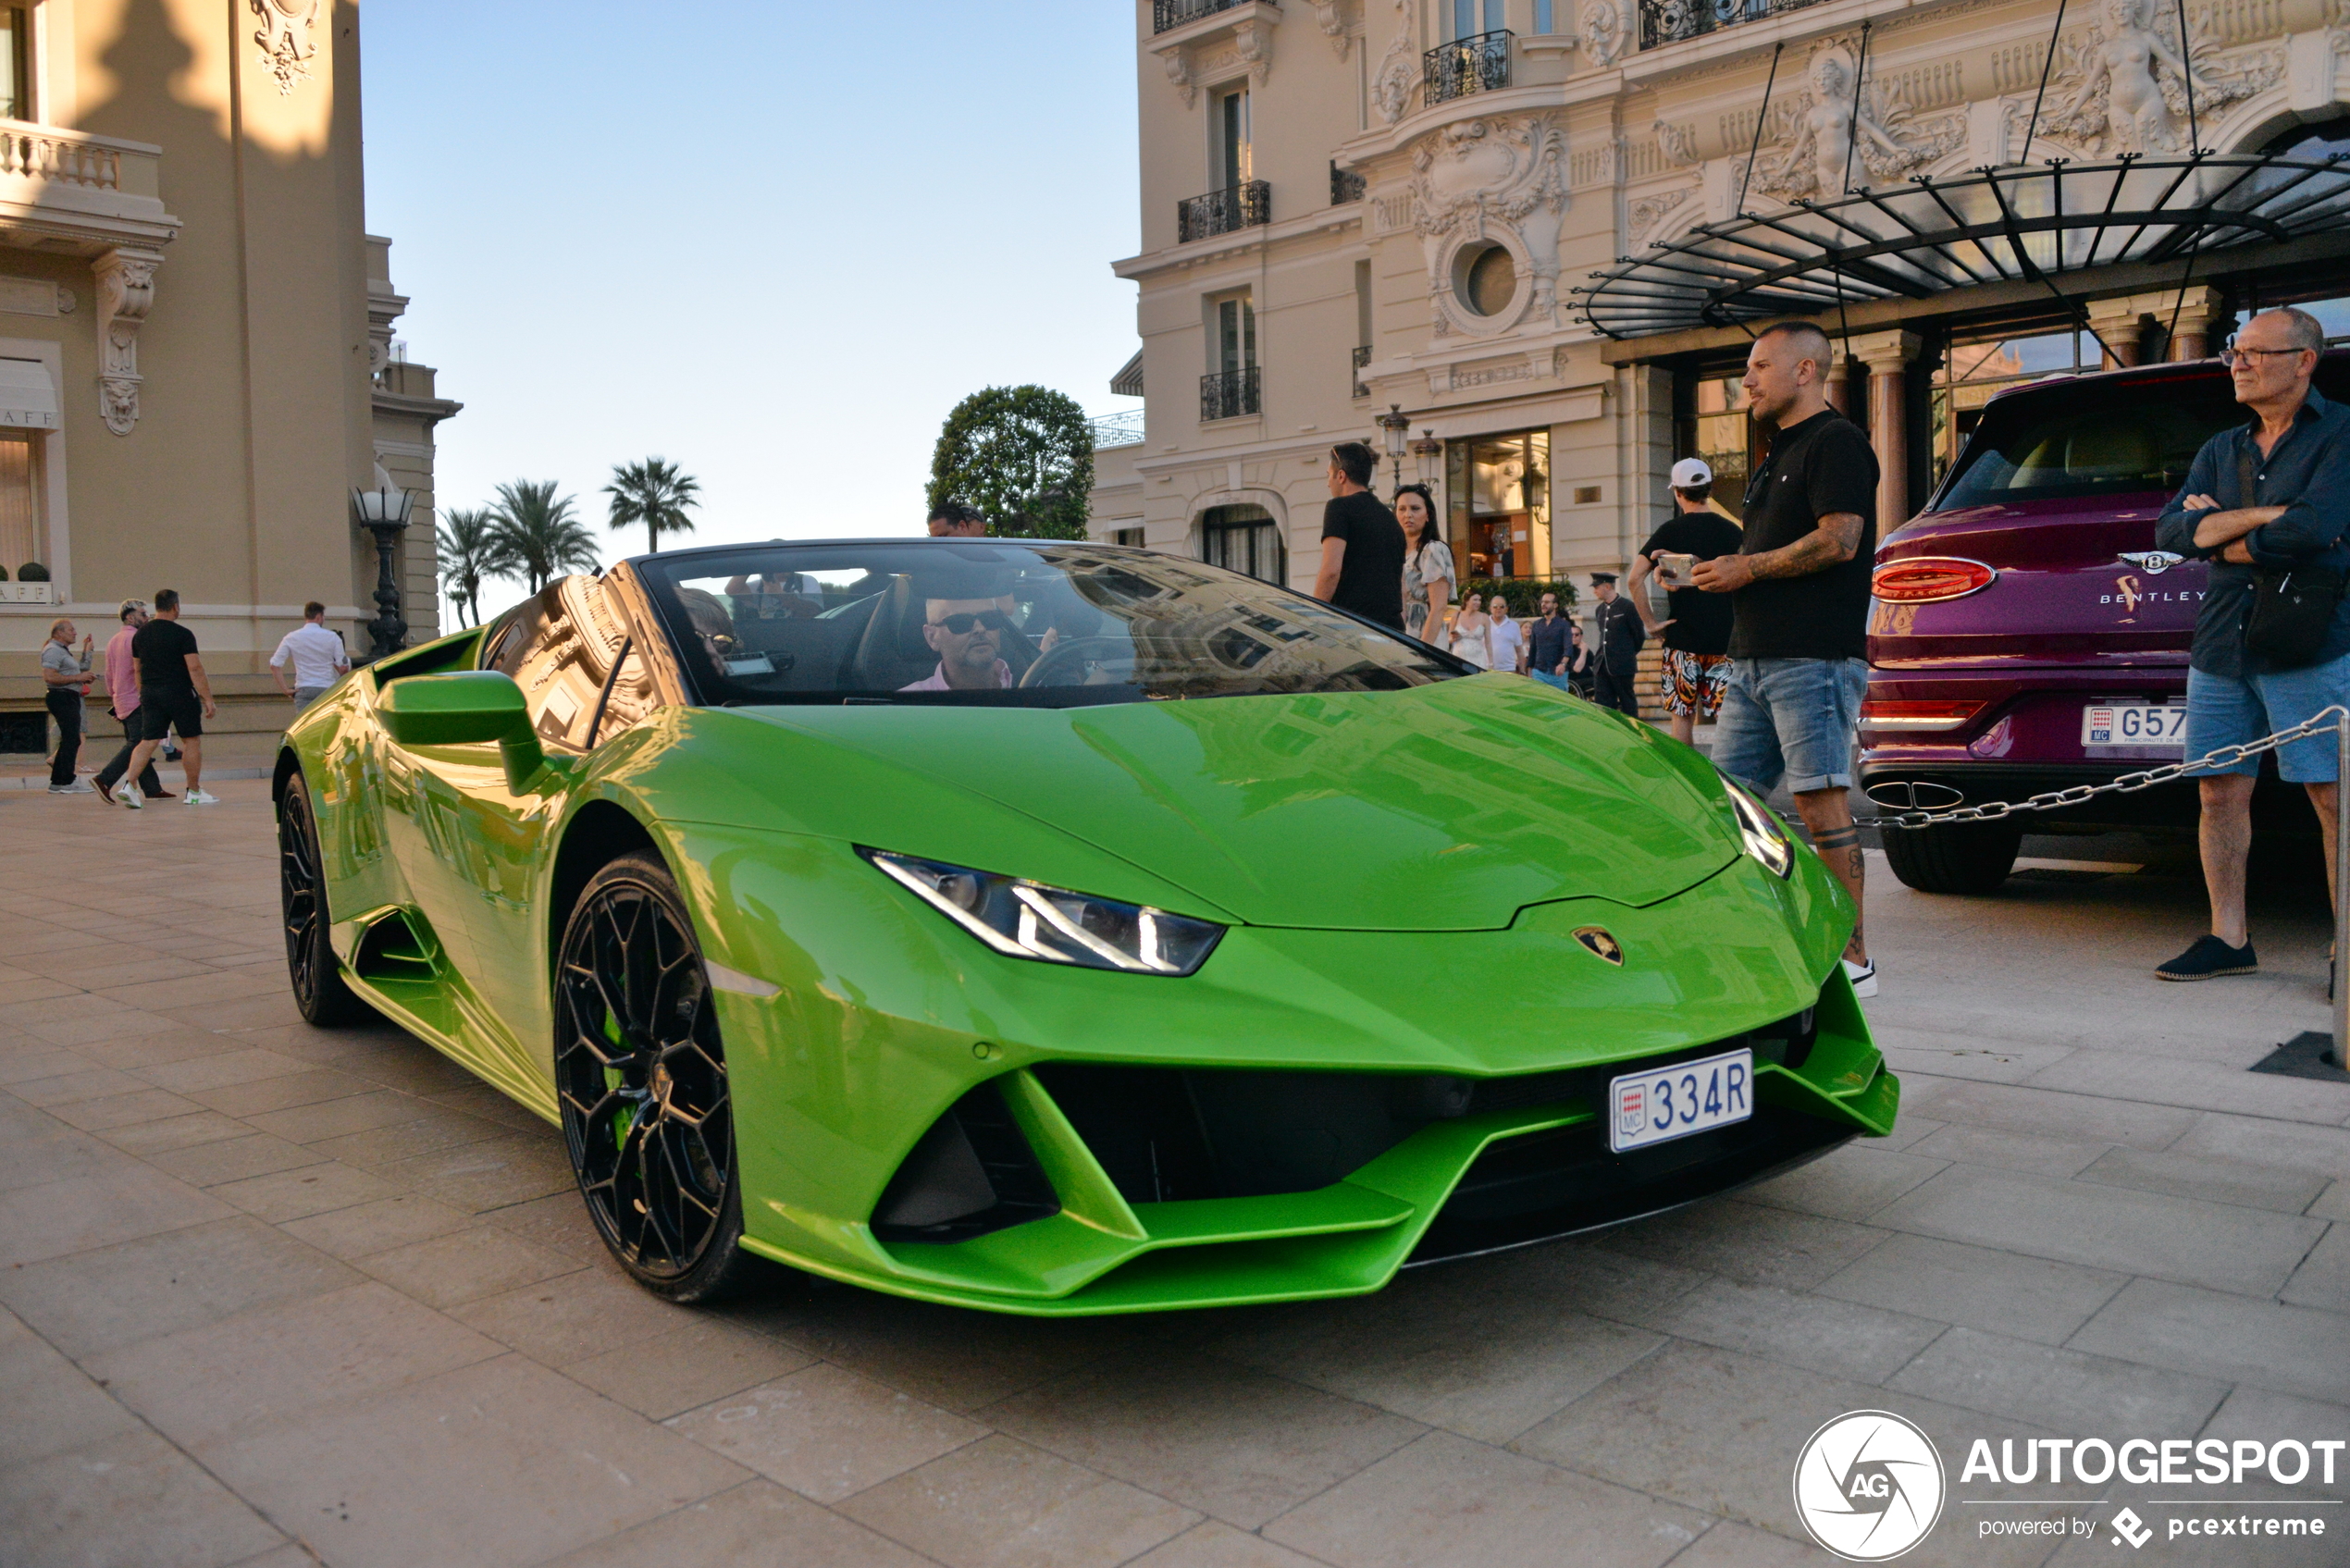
470,707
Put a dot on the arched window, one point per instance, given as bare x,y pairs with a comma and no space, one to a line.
1245,540
2314,143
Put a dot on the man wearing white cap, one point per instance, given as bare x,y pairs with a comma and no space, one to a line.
1696,630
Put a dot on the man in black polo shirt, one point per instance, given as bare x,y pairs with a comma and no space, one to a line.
1799,591
1362,543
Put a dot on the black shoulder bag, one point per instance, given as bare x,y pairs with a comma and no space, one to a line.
2292,606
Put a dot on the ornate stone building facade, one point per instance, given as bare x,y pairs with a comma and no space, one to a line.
196,356
1493,218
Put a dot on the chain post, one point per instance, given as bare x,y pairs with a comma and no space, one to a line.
2340,980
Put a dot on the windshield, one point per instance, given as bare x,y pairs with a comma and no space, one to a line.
1010,623
2100,438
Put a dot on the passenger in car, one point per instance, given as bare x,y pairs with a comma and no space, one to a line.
966,634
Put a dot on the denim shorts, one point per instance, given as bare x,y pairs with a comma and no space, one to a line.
2225,711
1792,719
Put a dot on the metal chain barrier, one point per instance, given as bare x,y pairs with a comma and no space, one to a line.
2328,720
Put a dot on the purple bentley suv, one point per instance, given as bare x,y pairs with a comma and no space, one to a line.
2025,634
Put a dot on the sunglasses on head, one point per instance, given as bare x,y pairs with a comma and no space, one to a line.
964,623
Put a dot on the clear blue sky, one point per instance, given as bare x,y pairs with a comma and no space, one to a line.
775,242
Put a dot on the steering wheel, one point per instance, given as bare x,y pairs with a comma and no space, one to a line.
1064,657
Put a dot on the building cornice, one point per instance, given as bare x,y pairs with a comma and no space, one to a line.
1239,241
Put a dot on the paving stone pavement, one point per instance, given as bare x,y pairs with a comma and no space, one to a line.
276,1295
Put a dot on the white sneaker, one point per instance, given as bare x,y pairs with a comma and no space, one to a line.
127,793
203,797
81,786
1862,976
77,787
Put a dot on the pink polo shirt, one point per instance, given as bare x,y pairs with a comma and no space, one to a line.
937,679
122,673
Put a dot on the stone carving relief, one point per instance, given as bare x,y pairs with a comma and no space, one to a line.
1604,31
2126,81
1331,16
1399,69
1179,72
1499,178
1675,143
1827,138
1644,212
284,38
126,292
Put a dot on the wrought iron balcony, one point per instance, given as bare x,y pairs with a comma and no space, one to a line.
1346,185
1116,429
1167,15
1477,64
1362,358
1669,21
1222,212
1227,394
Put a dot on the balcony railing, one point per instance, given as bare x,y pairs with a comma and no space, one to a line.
1116,429
69,160
1227,394
1222,212
1346,186
1170,14
1477,64
1362,358
1669,21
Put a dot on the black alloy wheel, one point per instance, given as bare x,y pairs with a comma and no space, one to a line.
641,1079
311,965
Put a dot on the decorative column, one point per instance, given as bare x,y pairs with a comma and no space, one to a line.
2198,313
2120,327
126,292
1839,387
1887,355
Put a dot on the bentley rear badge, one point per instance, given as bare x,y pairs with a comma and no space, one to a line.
2153,563
1601,945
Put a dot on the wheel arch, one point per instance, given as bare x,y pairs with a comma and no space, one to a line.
288,764
598,832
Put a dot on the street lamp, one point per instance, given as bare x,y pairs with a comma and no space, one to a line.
383,512
1398,424
1429,453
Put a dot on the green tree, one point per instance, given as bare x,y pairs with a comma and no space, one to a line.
1023,456
470,551
537,534
654,493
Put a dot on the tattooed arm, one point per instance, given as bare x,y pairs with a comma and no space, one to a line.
1835,541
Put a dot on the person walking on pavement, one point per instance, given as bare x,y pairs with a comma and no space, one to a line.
1696,630
1504,636
122,700
2269,496
174,692
65,678
1362,543
1616,628
1550,646
1799,592
317,655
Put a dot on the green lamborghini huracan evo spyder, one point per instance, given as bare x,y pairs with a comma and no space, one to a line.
1058,927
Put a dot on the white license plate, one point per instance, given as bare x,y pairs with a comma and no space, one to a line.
1669,1102
2135,724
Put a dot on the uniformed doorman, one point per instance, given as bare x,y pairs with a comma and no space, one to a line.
1619,634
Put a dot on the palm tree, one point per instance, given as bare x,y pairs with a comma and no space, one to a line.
654,493
470,549
537,533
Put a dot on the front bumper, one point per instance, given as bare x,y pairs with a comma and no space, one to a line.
840,1077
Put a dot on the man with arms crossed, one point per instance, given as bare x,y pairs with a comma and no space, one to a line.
319,657
1697,630
173,693
1799,591
1362,543
2271,493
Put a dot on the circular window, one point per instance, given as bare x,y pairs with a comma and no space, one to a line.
1488,280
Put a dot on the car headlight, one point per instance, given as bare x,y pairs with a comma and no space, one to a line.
1027,920
1765,839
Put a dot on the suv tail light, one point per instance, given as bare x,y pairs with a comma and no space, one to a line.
1921,580
1878,713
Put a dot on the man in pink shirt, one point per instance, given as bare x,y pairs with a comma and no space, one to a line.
965,635
122,693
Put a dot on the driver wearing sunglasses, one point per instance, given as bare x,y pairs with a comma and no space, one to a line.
966,634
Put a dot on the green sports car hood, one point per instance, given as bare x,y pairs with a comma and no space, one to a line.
1447,807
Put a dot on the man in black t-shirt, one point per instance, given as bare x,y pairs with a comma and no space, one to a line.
1696,629
1799,591
173,693
1362,543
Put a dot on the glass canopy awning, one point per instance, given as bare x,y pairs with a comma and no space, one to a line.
2028,223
